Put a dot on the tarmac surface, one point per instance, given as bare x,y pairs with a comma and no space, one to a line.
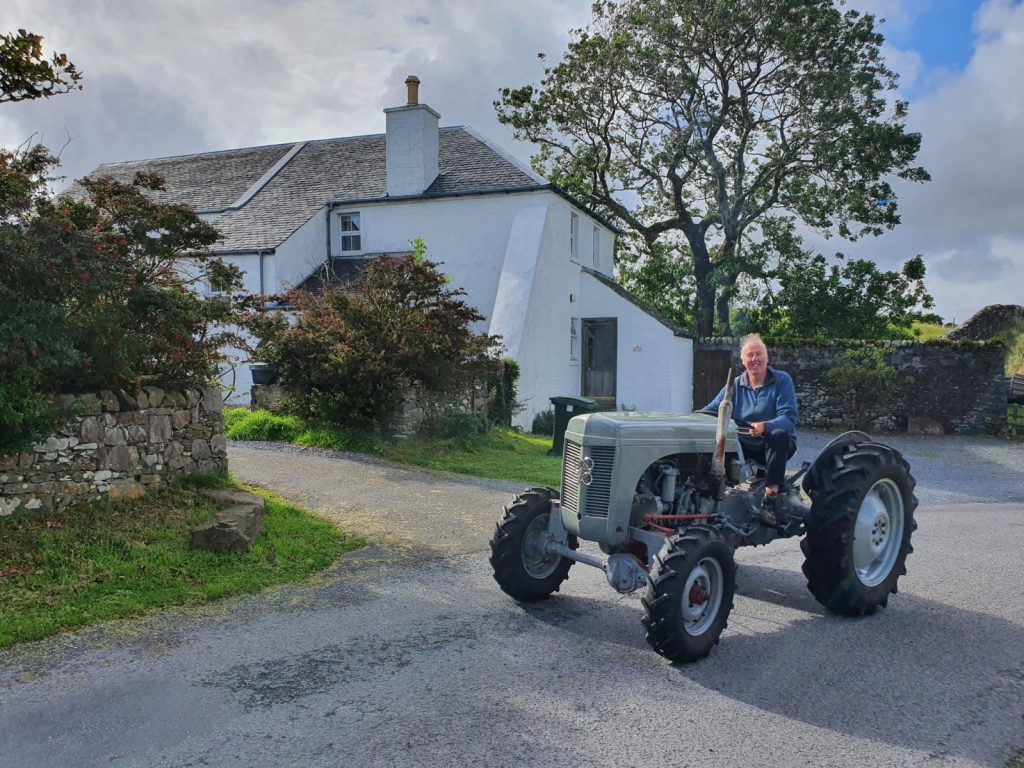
407,654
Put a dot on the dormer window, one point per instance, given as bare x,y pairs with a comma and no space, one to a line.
351,232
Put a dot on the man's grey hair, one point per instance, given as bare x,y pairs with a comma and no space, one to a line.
753,338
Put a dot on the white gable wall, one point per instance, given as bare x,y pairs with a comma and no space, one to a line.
655,370
469,235
300,255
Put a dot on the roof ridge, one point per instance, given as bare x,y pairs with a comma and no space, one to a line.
282,144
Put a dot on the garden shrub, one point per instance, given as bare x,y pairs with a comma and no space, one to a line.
353,351
463,429
864,387
92,298
544,423
502,403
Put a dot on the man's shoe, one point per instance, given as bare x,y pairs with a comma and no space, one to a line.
766,513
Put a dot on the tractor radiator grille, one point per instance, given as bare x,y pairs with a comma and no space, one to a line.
570,485
596,495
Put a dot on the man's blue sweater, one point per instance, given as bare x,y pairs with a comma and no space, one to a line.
774,403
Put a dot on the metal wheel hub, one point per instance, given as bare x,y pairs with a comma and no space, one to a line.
702,596
878,532
538,563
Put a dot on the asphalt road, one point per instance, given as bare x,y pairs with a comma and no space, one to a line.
407,653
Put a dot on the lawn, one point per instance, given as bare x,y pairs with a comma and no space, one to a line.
501,454
93,563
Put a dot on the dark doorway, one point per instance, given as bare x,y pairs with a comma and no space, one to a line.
600,360
710,370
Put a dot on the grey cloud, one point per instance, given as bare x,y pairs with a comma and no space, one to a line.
976,265
96,120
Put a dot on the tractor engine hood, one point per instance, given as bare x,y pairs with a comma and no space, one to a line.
672,432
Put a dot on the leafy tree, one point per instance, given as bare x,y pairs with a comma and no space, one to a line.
687,121
25,74
352,352
801,294
93,289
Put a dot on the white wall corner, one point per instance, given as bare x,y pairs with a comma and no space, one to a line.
515,288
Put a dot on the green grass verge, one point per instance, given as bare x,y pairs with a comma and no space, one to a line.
66,570
502,454
929,331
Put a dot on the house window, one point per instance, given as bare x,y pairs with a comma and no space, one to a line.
351,233
574,340
574,237
597,246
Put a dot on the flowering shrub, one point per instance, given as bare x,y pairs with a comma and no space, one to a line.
354,350
95,294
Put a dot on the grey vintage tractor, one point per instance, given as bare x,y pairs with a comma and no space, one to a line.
669,497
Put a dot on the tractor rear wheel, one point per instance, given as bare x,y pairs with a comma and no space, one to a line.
859,529
521,566
689,594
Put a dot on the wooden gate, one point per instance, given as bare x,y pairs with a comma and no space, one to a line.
600,360
710,370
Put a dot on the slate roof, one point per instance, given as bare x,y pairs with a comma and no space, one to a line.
324,171
337,271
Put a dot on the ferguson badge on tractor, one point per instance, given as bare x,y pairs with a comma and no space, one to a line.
669,497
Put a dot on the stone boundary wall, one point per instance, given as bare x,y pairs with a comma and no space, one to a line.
116,446
960,385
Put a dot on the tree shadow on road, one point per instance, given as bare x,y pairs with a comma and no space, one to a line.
919,675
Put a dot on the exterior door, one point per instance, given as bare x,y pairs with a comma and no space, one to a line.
710,370
600,359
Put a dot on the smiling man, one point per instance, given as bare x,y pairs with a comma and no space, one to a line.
764,408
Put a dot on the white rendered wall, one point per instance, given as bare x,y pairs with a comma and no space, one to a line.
302,254
655,367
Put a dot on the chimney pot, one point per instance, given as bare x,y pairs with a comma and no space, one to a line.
412,85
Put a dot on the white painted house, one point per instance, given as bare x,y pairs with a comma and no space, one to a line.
534,262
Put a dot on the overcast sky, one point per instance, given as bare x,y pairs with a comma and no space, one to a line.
167,77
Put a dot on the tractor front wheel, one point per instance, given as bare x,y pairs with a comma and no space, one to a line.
859,529
689,594
522,568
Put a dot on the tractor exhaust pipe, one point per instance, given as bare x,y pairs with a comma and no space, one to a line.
718,462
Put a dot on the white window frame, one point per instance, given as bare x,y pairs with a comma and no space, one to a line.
574,237
344,234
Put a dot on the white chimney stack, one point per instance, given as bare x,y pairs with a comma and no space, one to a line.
411,144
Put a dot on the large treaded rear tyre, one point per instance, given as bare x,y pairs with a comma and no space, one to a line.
521,568
859,529
689,594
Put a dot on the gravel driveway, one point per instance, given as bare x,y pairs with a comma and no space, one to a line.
407,654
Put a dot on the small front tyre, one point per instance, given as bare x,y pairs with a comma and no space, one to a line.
522,568
689,594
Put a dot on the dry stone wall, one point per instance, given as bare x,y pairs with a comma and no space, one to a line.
957,387
117,445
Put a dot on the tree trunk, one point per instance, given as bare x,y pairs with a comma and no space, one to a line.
704,309
724,326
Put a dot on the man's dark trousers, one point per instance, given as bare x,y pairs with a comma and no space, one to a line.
773,451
